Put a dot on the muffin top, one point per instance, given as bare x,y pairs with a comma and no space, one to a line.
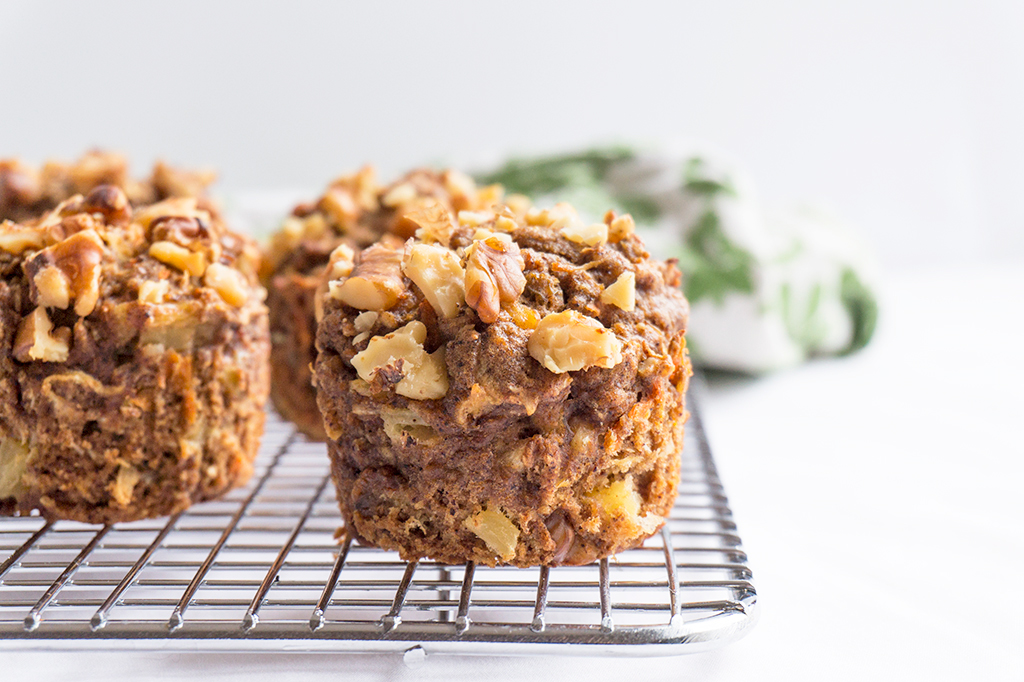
94,281
357,210
27,192
490,315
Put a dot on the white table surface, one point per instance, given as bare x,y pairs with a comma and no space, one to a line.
878,496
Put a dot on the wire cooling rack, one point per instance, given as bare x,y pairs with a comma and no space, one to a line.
261,570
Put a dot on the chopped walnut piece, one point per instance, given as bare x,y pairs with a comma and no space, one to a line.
68,270
594,234
229,283
192,262
505,224
569,341
341,262
430,221
182,207
486,233
494,275
52,288
490,195
365,320
622,292
110,202
557,217
376,280
398,195
475,218
400,354
459,185
182,230
37,340
519,204
619,228
438,273
15,238
340,205
496,530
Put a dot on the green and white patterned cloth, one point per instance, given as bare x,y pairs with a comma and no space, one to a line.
767,289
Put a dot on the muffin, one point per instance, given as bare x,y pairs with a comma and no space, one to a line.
356,211
27,192
505,388
134,349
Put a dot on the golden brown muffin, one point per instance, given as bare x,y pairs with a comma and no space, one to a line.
357,211
27,192
504,388
134,350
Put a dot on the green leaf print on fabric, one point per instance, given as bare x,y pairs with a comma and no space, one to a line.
696,181
546,175
712,264
862,307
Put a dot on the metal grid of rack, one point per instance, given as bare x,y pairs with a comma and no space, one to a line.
261,569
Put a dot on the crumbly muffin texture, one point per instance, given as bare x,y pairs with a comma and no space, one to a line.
27,192
355,210
506,386
134,349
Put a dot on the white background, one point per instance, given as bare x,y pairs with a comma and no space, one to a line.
906,117
878,495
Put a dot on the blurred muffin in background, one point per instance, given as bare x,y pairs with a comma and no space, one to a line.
27,192
354,211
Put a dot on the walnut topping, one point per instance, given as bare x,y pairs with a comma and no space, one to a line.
621,293
496,530
619,228
594,234
519,204
153,293
494,275
183,207
561,215
365,320
228,282
401,358
340,205
110,202
68,270
37,340
475,218
486,233
341,262
376,280
15,239
490,195
503,223
439,275
182,230
458,184
569,341
192,262
398,195
432,220
52,288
